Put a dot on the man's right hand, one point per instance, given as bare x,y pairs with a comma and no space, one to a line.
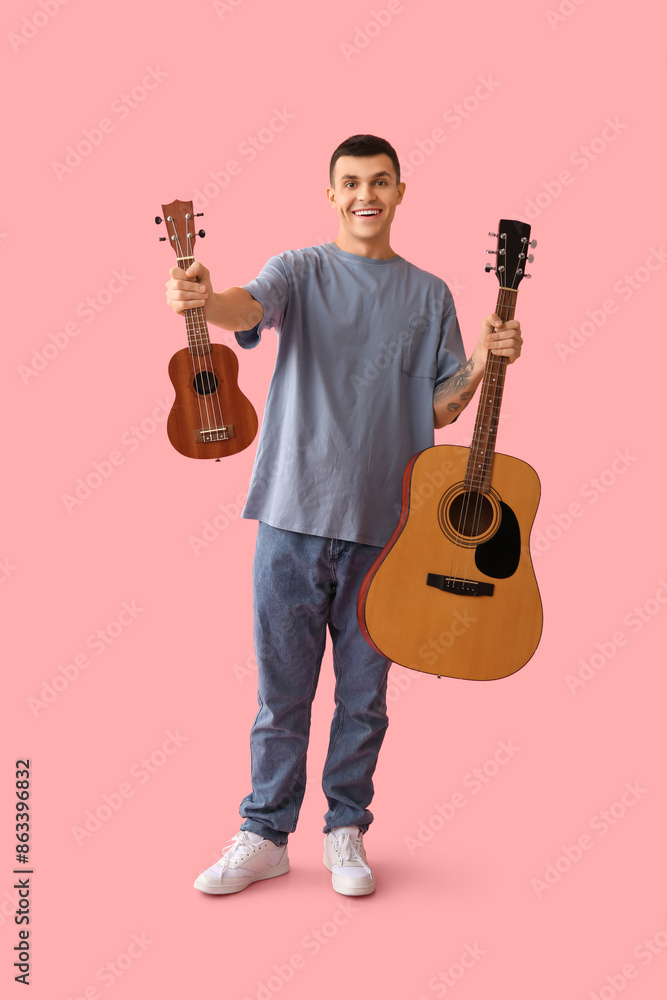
184,291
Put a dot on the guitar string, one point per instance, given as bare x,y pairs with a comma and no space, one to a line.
201,329
465,517
493,373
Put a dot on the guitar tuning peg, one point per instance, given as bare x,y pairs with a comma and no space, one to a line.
158,220
492,251
533,244
493,234
201,234
489,267
530,258
197,214
527,275
162,239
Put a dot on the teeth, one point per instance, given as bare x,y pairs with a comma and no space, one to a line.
368,211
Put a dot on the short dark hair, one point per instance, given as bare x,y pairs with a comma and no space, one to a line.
364,145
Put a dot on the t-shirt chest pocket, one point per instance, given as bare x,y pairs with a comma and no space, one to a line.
419,356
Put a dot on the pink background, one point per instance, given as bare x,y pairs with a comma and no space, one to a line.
472,885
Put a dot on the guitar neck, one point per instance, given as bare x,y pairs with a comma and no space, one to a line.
482,448
195,322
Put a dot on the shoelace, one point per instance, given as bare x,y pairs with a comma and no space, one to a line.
345,848
240,843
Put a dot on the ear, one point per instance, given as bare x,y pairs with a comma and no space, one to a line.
331,195
401,192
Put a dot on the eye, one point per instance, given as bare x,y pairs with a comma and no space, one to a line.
349,183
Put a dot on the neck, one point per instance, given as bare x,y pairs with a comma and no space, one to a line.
379,250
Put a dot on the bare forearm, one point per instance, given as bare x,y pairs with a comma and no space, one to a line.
233,309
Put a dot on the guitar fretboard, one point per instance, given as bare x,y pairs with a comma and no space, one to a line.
480,459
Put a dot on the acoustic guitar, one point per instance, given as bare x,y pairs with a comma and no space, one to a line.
210,418
453,591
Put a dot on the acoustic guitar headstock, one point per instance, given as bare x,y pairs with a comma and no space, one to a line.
179,218
512,253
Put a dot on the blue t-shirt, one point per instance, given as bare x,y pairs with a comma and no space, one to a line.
362,344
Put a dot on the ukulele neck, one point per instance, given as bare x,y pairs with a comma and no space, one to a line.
480,460
195,321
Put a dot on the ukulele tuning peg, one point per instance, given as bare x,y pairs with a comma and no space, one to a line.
158,220
493,234
492,251
197,214
530,258
489,267
533,244
162,239
201,234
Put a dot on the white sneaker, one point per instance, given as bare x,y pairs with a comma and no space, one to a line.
247,859
345,858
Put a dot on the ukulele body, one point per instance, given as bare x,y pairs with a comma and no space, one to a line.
480,616
210,418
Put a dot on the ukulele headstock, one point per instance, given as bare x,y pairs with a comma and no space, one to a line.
512,252
179,218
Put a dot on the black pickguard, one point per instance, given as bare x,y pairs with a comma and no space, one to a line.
499,557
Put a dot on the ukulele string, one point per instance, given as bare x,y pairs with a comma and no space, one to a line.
199,325
181,257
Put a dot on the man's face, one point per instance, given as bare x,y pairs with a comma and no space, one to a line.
365,194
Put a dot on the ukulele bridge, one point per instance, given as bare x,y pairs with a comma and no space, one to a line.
209,434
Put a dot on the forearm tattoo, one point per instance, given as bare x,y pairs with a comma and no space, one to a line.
455,384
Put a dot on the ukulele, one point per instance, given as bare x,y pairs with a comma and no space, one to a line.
453,591
210,418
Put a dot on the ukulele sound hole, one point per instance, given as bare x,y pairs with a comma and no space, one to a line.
470,514
205,383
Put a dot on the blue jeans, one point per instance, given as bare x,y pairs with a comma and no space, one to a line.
304,584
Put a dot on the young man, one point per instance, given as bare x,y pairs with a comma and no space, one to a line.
369,360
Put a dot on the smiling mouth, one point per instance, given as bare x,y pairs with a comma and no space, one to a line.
367,212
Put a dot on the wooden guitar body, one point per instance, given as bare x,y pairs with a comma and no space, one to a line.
453,592
210,418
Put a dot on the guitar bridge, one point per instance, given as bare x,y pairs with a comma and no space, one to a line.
456,585
209,434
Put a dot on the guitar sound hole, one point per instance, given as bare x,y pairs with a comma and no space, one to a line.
205,383
470,514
